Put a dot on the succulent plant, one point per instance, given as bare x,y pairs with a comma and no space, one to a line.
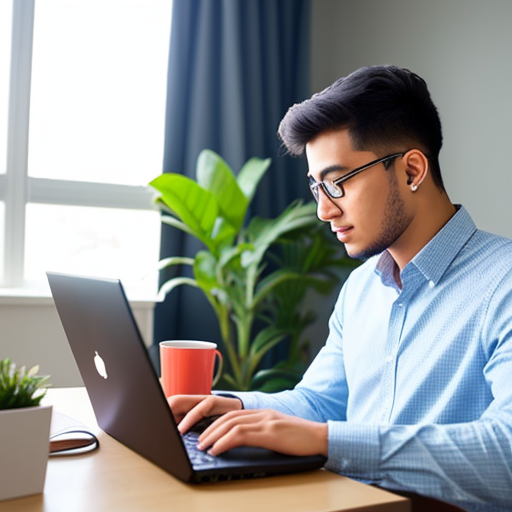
20,387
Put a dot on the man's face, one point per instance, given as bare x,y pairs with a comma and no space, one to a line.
372,215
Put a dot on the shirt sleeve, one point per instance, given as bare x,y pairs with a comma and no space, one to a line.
322,393
468,464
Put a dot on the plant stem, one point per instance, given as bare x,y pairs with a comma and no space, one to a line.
225,331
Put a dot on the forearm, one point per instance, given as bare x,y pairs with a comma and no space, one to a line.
467,464
320,396
293,402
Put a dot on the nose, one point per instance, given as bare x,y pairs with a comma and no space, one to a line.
326,209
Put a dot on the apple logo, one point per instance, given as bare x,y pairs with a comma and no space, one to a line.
100,365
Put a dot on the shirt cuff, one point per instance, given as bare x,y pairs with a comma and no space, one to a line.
354,449
229,395
249,399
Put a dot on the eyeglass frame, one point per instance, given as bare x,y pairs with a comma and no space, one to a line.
313,187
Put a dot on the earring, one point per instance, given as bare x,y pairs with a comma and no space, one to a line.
414,187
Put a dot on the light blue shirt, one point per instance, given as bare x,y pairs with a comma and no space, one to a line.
416,383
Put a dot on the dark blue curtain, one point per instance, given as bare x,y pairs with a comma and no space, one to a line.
235,67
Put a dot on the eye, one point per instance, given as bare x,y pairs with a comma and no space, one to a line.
335,189
313,184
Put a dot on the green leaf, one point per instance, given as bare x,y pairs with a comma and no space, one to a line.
195,206
231,253
271,281
174,260
168,286
275,379
20,387
250,175
33,371
206,274
223,233
228,382
214,174
266,339
264,232
205,270
176,223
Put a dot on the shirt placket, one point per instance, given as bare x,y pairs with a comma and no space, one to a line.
394,336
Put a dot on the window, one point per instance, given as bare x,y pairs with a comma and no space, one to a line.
85,110
5,53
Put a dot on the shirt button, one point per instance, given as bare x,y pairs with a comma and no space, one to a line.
400,304
431,284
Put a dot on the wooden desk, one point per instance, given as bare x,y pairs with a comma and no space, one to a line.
116,479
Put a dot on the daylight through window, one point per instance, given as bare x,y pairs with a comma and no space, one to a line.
85,110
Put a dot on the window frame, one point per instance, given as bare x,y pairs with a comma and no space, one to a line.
17,188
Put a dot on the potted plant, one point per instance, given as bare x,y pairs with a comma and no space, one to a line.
255,273
25,431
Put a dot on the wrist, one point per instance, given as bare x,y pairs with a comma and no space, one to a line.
322,438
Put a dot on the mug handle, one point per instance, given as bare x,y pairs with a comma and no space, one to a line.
219,368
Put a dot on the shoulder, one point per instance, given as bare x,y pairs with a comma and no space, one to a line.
486,241
491,253
483,264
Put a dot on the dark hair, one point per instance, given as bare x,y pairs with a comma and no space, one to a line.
385,108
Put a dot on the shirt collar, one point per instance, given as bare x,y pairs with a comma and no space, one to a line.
433,260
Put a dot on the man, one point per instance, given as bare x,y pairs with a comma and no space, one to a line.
412,389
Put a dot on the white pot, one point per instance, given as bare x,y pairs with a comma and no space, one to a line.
24,449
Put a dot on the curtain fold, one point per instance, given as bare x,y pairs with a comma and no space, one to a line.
235,67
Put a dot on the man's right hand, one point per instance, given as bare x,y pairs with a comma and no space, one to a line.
189,409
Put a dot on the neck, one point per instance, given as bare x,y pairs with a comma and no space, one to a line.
430,214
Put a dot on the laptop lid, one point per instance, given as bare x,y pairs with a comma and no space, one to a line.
125,391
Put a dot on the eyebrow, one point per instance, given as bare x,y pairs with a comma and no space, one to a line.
330,169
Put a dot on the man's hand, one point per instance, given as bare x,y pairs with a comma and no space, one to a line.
189,409
261,428
266,429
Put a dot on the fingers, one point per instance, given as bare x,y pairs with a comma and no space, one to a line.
191,409
181,404
263,428
266,429
231,430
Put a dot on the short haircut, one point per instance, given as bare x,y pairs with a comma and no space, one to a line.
385,109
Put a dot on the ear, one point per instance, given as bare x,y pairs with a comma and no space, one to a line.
416,168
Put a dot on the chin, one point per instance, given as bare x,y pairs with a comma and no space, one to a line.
361,253
354,252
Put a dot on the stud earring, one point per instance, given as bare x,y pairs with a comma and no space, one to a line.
414,187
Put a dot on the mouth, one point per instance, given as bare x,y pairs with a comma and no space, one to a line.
343,232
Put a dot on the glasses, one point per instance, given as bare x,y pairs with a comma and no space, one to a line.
334,188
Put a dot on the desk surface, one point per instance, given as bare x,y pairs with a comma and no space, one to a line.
114,478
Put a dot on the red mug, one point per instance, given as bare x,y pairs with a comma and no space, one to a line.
187,367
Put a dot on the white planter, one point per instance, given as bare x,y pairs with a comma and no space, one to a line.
24,449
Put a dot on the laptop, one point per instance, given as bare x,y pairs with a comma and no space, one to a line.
126,395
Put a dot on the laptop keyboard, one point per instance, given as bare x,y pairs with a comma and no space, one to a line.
197,457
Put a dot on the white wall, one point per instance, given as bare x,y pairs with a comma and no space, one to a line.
462,49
